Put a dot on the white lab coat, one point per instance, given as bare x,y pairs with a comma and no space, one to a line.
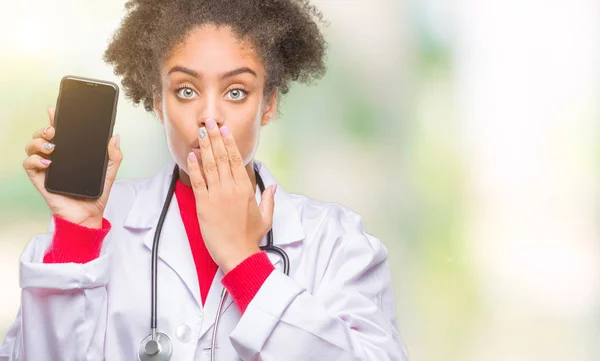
337,303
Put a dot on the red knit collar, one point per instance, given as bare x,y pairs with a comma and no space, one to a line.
185,197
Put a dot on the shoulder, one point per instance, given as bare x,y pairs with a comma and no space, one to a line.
333,225
327,213
127,187
338,253
122,196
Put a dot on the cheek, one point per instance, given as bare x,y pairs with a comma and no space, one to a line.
247,138
179,119
179,130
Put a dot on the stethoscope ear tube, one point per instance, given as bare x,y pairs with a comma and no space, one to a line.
157,233
270,247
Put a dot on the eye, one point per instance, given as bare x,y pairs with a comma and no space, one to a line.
236,94
186,93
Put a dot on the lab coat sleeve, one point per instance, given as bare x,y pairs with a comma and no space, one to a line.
63,308
350,315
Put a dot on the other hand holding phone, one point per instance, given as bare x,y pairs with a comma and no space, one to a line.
86,211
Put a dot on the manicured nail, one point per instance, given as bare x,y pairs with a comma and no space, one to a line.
210,124
46,161
192,157
274,189
48,146
225,131
202,132
118,141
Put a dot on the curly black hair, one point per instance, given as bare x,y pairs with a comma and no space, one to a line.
284,33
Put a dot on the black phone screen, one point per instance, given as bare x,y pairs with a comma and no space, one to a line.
83,122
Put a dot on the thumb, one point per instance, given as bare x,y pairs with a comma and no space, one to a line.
114,158
267,204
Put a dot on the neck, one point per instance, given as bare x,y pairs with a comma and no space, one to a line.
185,178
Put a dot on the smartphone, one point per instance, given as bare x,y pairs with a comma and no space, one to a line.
83,121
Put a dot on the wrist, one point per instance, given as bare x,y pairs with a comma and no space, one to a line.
88,222
233,259
92,223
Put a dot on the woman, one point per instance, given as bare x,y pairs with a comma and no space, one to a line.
212,72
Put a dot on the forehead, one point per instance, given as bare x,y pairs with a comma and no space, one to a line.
214,50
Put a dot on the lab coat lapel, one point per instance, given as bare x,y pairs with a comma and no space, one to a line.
287,225
174,248
212,303
214,296
175,251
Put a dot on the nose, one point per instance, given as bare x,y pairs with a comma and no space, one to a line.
209,108
202,121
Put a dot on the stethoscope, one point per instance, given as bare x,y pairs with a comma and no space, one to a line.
158,346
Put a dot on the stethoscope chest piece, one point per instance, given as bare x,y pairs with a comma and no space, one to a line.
155,350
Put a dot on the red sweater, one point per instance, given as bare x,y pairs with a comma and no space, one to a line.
79,244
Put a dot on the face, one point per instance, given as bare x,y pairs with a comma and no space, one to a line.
212,74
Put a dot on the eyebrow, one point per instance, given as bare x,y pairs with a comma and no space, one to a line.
195,74
185,70
238,71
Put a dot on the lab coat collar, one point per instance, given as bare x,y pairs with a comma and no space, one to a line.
145,211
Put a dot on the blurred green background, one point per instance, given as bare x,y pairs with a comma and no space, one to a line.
464,132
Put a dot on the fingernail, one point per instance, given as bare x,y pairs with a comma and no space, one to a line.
202,132
45,130
274,189
225,131
46,161
192,157
118,141
210,124
48,146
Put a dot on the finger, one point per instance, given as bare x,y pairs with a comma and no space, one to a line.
267,205
219,152
35,166
195,174
45,133
51,112
115,157
208,160
35,163
236,162
39,146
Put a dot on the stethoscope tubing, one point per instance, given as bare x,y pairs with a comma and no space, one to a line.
157,233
